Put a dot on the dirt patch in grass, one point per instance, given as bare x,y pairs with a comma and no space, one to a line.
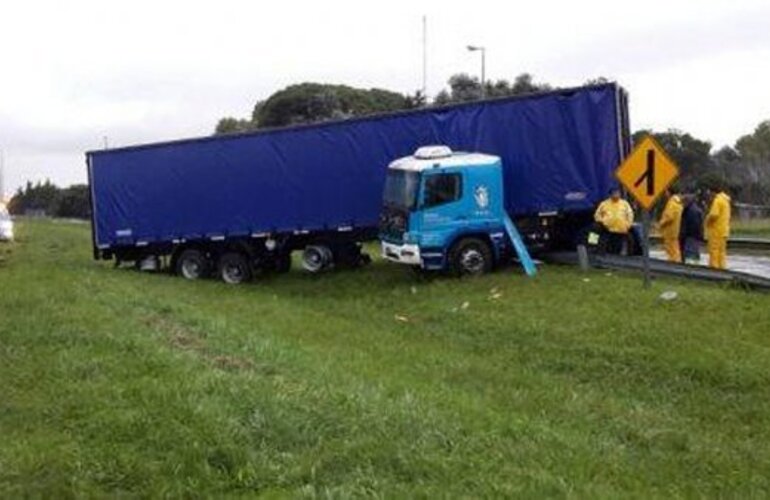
184,338
6,249
187,342
231,363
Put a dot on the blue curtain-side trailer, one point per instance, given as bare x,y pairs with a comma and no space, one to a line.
239,204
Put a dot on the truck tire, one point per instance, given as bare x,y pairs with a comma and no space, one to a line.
470,257
192,264
316,258
234,268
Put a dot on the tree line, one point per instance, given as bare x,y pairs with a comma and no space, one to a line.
45,198
743,168
317,102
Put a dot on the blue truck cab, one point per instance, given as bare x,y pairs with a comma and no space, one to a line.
443,210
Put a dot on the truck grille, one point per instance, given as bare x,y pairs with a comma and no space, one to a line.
393,223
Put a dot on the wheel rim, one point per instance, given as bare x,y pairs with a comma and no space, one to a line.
191,269
472,261
313,259
233,273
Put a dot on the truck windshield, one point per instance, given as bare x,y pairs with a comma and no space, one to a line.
401,188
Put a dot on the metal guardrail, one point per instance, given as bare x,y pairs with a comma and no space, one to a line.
662,267
735,243
741,243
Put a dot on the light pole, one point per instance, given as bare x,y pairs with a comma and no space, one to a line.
483,50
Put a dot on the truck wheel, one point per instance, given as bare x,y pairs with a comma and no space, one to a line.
234,268
192,264
470,256
317,257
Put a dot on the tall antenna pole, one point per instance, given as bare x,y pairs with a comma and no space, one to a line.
483,71
425,57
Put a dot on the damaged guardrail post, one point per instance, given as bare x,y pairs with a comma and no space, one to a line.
582,254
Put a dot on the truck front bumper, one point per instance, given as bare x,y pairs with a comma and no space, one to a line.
403,254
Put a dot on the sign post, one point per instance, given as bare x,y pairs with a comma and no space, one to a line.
646,247
646,174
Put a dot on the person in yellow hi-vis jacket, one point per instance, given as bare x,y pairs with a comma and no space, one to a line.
669,224
717,227
616,217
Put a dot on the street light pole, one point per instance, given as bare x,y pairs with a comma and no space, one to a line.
483,50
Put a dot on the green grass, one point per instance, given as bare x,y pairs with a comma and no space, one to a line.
116,383
757,228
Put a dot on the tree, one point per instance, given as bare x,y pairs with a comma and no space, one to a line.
463,87
600,80
500,88
752,167
756,147
51,200
73,202
442,98
229,125
525,84
416,100
40,196
315,102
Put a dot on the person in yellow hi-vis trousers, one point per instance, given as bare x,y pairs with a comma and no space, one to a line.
717,227
669,224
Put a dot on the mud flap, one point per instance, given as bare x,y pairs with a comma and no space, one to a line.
519,246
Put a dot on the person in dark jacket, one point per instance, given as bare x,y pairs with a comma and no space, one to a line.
691,230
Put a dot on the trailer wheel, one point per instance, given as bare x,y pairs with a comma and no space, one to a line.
316,258
234,268
192,264
470,257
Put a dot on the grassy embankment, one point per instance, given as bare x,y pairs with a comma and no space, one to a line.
755,228
115,382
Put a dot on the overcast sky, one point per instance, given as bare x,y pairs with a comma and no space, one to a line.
143,71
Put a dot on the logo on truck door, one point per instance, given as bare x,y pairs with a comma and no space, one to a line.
481,194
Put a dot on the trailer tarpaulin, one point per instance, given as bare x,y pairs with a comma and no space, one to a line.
558,150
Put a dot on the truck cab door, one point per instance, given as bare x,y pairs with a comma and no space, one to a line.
441,207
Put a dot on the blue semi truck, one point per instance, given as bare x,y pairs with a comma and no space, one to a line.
237,205
454,214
